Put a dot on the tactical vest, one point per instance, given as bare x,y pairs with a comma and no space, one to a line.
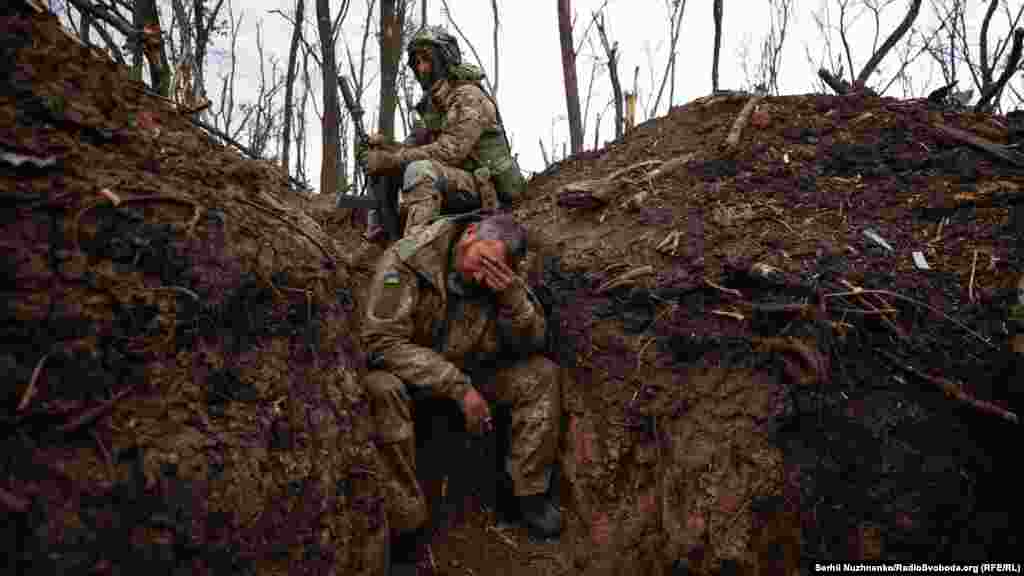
492,153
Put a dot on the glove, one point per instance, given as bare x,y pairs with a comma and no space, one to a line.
382,161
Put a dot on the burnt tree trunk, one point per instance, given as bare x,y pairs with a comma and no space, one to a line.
613,72
392,19
717,12
289,86
203,21
153,43
329,166
876,58
572,93
990,95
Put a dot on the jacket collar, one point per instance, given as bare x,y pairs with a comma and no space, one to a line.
430,261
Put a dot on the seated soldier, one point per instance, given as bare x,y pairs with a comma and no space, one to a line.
459,160
447,316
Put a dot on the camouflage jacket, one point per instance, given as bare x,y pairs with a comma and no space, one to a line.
460,113
407,304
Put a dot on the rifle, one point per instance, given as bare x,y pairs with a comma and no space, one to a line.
383,190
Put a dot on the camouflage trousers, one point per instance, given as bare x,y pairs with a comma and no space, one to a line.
428,187
530,388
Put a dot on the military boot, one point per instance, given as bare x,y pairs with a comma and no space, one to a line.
542,519
402,555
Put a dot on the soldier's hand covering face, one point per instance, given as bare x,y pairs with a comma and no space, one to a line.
498,276
485,264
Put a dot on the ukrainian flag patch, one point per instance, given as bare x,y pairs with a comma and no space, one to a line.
391,278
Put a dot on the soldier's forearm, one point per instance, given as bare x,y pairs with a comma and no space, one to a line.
419,366
452,147
521,319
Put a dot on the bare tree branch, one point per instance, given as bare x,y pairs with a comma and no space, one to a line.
876,58
612,51
717,15
101,12
986,71
479,61
988,99
676,19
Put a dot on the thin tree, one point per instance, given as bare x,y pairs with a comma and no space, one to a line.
492,86
392,21
289,88
329,130
572,95
612,51
716,13
676,8
779,12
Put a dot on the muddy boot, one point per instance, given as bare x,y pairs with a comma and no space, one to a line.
542,519
402,556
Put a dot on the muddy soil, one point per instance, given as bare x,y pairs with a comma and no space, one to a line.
720,421
184,372
180,390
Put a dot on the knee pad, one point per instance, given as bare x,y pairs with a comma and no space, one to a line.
416,172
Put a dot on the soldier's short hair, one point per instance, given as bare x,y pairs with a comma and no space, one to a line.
504,227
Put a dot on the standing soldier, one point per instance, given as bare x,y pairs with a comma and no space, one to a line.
447,316
459,159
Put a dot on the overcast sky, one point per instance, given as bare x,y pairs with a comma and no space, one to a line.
531,94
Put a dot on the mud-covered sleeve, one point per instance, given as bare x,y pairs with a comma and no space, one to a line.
470,114
388,334
521,319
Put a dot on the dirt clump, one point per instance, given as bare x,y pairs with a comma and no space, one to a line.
181,390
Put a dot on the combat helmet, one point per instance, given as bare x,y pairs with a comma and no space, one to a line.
444,45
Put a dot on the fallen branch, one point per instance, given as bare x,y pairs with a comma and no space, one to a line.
189,114
970,286
953,390
670,243
177,289
504,537
892,325
997,150
625,278
89,416
637,200
30,391
729,291
834,82
733,139
917,303
733,315
652,338
595,192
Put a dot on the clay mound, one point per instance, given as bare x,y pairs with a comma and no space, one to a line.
180,370
736,399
